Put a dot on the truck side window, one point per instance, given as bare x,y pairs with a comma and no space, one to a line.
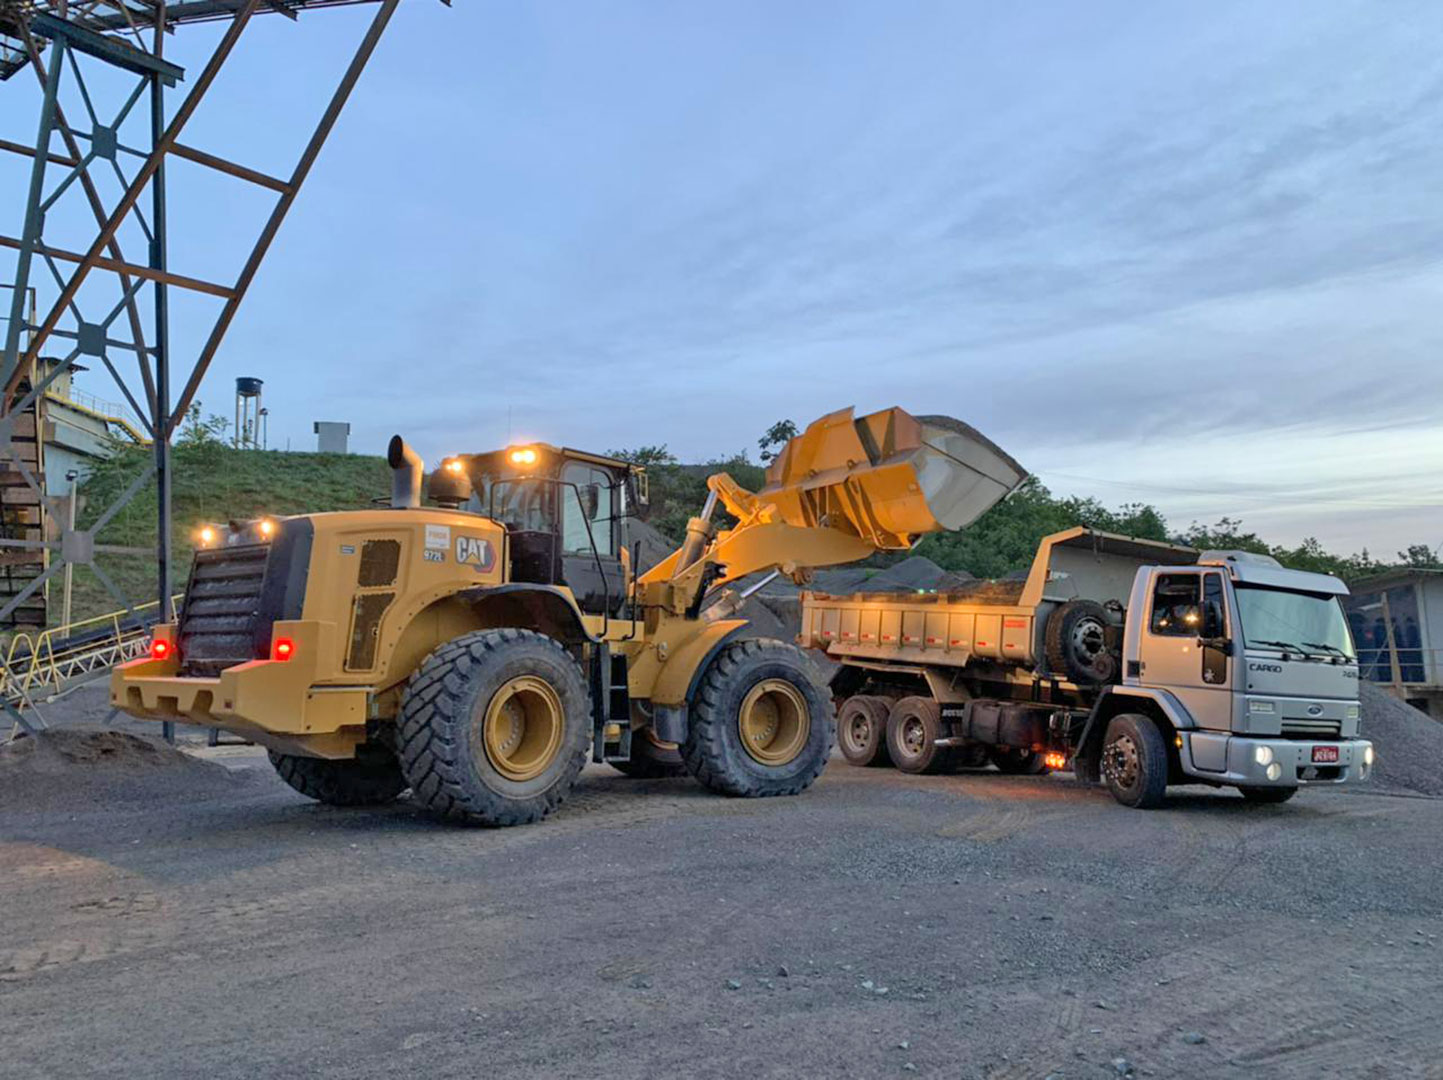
1177,605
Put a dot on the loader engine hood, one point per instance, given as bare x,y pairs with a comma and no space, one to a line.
891,476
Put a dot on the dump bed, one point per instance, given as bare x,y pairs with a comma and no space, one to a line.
1001,621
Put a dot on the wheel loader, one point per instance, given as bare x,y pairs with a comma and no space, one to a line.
478,650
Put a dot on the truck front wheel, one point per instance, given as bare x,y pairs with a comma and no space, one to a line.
1134,761
862,730
760,725
494,727
913,727
370,780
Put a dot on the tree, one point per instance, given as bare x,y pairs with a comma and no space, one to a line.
1420,556
202,432
645,456
776,436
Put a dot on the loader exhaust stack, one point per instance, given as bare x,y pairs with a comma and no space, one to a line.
406,469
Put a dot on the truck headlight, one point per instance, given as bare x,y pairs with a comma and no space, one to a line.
1257,706
1274,771
1263,755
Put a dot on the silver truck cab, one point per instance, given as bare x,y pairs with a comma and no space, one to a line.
1254,666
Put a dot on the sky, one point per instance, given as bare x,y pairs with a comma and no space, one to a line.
1176,253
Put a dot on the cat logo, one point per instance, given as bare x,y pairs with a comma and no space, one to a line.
476,552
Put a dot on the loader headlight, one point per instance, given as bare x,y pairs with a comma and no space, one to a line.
1263,755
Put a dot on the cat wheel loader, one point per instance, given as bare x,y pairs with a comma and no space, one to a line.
477,651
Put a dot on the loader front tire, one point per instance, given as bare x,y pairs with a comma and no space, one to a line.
371,780
759,724
495,727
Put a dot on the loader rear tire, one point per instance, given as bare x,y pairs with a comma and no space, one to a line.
494,728
862,730
760,725
913,727
369,781
651,760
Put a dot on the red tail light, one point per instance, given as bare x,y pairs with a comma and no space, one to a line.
283,649
160,649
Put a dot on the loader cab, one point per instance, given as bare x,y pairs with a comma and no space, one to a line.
563,511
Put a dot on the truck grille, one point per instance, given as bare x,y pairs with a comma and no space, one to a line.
1299,728
220,618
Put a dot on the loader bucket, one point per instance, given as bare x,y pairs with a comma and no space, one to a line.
888,476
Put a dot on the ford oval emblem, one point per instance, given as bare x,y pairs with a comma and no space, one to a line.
1315,710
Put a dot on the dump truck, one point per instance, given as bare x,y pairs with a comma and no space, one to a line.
478,650
1140,663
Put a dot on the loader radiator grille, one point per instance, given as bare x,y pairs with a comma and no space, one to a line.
222,606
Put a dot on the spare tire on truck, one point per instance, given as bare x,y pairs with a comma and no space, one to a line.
1076,638
862,729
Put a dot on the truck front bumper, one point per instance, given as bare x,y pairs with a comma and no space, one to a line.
1271,762
272,702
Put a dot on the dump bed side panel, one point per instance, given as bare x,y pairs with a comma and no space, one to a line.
917,630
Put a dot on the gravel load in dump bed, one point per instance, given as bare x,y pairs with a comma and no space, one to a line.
1409,743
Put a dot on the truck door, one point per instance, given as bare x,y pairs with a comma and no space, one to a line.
1183,644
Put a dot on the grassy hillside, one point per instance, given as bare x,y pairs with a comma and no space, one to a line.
212,483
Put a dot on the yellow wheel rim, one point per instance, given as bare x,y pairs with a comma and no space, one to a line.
774,722
523,726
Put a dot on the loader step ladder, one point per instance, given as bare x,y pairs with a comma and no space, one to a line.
22,517
610,706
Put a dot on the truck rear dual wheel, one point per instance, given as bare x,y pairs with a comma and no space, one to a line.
862,730
369,780
913,728
494,727
759,724
1134,761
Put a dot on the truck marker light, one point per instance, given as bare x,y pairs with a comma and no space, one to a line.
283,649
1368,755
160,649
1177,740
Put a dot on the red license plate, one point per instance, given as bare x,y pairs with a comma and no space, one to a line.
1325,755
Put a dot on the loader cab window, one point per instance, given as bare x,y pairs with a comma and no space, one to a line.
521,504
586,494
1177,605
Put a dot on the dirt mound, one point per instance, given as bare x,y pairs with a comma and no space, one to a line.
83,765
1409,743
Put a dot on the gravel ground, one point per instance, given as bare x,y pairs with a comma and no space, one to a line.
188,915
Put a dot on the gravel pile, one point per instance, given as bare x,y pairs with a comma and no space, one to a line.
1409,743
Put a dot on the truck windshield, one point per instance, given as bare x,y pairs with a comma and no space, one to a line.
1310,622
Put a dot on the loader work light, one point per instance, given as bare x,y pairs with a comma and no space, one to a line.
522,456
268,528
206,536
